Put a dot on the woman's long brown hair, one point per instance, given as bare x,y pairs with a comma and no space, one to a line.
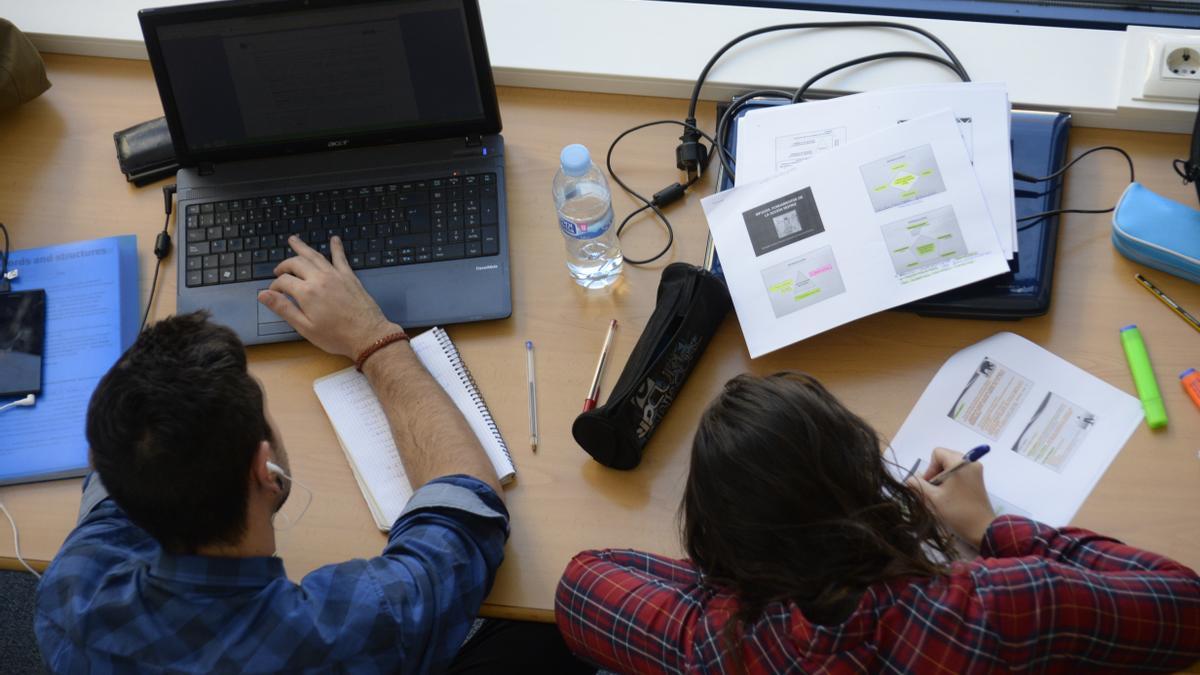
789,499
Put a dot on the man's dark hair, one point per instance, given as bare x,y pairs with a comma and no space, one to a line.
789,499
173,427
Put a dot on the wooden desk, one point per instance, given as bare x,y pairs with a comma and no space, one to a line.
59,182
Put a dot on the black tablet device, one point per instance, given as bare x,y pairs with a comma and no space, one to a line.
22,342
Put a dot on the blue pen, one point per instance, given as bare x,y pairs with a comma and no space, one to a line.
974,455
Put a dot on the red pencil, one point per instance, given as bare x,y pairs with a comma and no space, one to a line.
594,391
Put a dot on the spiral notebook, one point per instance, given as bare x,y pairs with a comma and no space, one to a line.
363,432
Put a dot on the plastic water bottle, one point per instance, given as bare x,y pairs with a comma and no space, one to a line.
585,215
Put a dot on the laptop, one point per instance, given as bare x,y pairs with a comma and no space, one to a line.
372,120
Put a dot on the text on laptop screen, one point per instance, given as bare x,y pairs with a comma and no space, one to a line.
321,73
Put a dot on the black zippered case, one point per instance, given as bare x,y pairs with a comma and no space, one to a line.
691,304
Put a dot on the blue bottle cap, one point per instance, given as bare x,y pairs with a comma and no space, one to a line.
575,160
1129,327
1187,372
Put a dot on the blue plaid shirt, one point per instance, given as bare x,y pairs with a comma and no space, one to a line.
114,601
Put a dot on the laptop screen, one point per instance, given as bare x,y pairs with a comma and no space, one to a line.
321,73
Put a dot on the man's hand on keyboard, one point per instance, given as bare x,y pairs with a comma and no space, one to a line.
325,302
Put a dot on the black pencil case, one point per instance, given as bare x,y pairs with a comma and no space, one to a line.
690,306
145,152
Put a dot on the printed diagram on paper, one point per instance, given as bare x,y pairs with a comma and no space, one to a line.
1054,432
783,221
990,398
803,281
1052,427
902,178
928,239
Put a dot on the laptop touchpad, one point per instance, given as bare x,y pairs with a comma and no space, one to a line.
270,323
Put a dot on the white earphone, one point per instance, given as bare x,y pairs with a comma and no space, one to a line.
289,522
29,400
274,468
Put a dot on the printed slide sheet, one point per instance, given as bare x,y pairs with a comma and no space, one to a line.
891,218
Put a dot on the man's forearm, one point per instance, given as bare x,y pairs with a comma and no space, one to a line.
433,437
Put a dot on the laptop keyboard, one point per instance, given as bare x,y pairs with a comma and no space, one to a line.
380,226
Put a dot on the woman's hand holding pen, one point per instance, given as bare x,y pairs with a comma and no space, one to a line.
961,502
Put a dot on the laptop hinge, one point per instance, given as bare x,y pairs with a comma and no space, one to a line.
474,141
206,168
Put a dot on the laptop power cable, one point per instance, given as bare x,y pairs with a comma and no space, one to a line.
162,248
1033,219
692,157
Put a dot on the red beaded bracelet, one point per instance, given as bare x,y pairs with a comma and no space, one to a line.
376,346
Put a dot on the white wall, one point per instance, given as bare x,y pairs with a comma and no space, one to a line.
658,48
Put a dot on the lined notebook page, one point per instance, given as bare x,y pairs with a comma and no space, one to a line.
363,432
362,428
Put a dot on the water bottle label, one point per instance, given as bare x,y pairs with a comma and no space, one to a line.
585,230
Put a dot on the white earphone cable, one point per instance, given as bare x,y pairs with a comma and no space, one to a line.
21,402
17,541
289,522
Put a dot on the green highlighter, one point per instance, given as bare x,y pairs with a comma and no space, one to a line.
1143,376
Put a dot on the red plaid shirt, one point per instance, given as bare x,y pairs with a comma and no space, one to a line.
1038,599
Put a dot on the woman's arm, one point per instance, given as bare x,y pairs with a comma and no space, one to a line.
1075,596
629,611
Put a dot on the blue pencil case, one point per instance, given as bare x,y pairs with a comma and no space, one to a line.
1154,231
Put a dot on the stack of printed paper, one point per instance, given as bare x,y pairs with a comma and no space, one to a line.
874,221
775,139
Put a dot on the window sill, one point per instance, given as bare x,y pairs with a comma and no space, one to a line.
658,48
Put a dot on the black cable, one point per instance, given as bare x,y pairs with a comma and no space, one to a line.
693,157
798,97
958,66
1046,214
730,113
1182,168
661,216
1022,192
153,284
741,101
162,246
1189,169
1034,218
663,197
690,155
1056,174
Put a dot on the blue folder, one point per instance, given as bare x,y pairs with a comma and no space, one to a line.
91,319
1039,146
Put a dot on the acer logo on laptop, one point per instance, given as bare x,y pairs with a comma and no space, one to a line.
340,143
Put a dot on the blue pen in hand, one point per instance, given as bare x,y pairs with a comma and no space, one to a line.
973,456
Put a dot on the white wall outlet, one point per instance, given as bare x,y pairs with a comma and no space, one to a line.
1181,61
1173,68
